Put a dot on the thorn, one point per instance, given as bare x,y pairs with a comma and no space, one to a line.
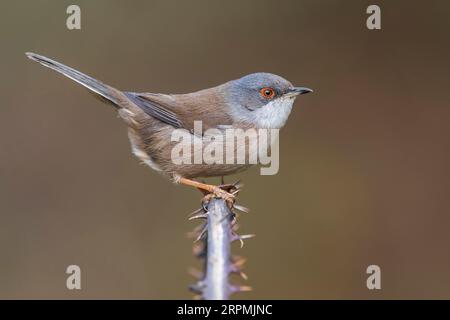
247,236
235,192
241,242
241,208
243,237
196,212
238,271
196,230
228,215
235,237
240,288
205,201
242,275
245,288
238,262
202,233
199,216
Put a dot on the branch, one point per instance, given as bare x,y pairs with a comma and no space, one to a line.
218,257
216,235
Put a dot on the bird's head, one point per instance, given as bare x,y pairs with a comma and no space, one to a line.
262,99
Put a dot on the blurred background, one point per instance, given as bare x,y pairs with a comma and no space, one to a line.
364,172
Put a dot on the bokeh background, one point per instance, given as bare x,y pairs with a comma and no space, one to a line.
364,176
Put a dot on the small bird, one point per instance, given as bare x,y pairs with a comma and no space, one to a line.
258,100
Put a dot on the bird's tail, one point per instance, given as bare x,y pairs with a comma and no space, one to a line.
96,86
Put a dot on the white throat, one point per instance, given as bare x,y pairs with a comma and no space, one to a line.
273,115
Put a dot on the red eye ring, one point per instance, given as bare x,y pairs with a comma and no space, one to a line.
267,93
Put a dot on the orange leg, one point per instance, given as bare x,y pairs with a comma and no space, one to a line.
215,190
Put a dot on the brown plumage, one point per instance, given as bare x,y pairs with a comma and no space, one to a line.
151,138
255,101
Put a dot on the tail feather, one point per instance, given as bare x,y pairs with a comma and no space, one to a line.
92,84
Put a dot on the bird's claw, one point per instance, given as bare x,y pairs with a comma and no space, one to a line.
218,192
229,198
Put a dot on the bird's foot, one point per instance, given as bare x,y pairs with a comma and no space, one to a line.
219,192
226,192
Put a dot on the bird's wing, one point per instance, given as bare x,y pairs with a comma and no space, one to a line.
157,108
182,110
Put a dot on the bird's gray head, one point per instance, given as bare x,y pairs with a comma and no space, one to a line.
262,99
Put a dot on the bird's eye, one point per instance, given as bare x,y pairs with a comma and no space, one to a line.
267,93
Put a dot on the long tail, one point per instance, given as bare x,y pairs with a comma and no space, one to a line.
92,84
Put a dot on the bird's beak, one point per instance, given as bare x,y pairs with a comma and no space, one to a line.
295,91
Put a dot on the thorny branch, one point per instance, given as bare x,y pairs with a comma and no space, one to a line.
213,246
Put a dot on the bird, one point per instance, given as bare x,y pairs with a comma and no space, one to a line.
259,100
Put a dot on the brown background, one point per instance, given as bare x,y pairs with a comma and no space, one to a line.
364,176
